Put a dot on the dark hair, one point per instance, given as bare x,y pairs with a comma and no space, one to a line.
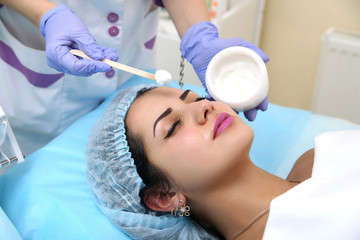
154,179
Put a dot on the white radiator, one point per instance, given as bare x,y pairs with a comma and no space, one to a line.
337,87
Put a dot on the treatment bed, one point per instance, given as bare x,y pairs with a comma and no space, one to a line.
47,196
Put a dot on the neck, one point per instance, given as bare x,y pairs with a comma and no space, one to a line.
239,198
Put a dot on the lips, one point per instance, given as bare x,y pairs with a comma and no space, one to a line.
222,122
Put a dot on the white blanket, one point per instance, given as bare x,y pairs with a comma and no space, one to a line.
326,206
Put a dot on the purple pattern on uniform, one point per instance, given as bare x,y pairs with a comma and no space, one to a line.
110,73
159,3
113,31
113,17
36,79
150,44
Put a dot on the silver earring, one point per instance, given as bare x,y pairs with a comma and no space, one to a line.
181,210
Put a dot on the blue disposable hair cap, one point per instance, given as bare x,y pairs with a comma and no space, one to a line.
115,183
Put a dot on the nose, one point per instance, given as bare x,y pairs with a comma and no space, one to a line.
200,110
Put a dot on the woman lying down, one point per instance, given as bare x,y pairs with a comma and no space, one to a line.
159,156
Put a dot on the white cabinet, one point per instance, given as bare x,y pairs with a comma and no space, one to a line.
242,18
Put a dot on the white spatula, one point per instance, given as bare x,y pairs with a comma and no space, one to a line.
160,76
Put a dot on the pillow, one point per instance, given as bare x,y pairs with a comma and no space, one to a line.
47,196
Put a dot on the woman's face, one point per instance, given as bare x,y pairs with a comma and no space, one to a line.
195,142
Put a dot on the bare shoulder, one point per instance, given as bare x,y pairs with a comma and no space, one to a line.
302,168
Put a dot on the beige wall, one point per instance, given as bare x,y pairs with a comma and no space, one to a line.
291,37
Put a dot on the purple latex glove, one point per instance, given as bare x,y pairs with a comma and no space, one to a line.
62,29
201,43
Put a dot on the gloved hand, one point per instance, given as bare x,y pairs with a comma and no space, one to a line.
62,30
201,43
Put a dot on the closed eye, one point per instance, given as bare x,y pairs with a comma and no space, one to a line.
199,99
172,129
176,123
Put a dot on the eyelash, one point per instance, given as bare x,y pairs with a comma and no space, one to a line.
171,130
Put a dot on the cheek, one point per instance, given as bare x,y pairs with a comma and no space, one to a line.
195,162
189,148
184,156
189,141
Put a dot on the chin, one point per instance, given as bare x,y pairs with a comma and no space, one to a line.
247,135
239,139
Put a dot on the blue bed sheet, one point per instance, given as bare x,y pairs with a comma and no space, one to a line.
47,196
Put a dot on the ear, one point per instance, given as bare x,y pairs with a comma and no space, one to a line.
163,202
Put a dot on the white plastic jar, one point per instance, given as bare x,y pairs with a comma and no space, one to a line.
237,76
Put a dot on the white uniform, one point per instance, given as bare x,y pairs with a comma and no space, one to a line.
40,102
326,206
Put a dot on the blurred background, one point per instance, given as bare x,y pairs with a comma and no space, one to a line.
313,46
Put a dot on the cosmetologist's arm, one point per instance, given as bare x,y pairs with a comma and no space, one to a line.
30,9
186,13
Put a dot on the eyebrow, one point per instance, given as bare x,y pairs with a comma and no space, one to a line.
184,95
169,110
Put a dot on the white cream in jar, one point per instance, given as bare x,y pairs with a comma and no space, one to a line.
237,76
